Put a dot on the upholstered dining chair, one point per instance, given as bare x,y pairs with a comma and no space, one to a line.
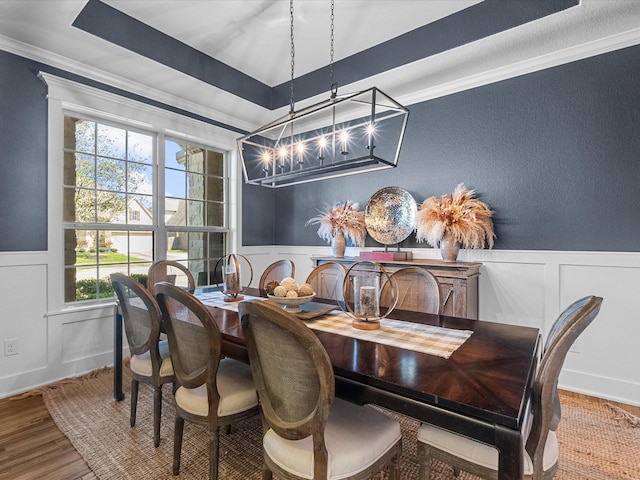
327,280
212,391
417,290
276,271
541,448
307,433
172,272
150,362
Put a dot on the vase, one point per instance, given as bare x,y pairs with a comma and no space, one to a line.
338,244
449,248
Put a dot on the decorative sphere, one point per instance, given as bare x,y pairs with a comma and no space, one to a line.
290,284
280,291
292,294
271,286
305,290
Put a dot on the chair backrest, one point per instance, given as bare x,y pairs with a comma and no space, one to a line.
327,280
194,341
172,272
276,271
417,290
292,373
140,315
545,401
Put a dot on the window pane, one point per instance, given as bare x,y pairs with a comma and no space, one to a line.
174,155
140,179
175,183
139,210
216,245
112,207
215,189
195,213
79,205
79,135
196,160
204,270
140,147
177,246
175,212
111,174
215,163
215,214
140,247
111,141
85,171
195,186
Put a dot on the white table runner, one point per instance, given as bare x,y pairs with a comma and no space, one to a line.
216,299
410,336
417,337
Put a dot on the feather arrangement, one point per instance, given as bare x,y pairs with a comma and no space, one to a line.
342,217
466,218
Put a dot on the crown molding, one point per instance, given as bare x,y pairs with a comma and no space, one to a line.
71,66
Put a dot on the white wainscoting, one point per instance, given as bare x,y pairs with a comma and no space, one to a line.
521,287
532,288
52,345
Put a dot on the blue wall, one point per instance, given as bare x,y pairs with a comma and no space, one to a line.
23,156
555,154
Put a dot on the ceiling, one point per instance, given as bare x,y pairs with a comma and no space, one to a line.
253,37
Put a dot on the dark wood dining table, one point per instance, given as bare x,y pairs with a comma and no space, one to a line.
481,391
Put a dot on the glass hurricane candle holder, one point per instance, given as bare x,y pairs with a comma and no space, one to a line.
231,279
361,291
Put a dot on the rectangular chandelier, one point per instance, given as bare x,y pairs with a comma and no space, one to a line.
343,135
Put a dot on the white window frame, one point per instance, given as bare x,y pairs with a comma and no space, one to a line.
64,97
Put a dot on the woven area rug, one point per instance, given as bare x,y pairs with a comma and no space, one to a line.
596,441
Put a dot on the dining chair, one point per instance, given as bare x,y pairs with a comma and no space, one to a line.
172,272
307,433
150,362
541,448
212,391
417,290
276,271
327,280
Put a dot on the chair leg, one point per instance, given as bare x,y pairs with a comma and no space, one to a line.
214,445
134,402
394,468
424,462
157,414
177,444
266,473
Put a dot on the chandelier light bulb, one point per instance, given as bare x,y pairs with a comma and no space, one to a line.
344,138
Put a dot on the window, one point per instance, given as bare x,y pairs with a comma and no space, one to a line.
194,205
118,216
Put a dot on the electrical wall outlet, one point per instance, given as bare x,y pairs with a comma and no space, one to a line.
10,347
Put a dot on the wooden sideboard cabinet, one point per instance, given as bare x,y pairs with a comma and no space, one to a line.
458,281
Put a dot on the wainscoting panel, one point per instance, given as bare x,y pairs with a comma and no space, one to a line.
608,349
23,318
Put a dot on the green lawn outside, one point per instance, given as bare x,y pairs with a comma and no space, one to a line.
105,257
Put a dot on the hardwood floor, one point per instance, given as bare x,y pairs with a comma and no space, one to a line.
32,447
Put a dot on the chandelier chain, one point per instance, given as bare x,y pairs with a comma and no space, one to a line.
293,55
334,87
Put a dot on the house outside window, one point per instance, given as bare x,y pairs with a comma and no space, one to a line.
112,198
